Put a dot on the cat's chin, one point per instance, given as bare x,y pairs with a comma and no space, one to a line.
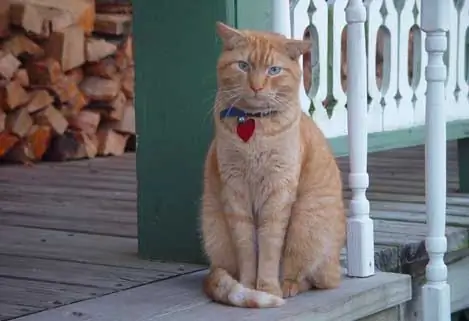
253,105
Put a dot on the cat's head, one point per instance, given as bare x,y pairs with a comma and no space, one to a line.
257,70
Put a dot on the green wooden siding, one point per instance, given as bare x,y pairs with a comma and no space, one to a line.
176,49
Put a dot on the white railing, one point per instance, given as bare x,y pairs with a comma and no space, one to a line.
436,20
378,64
396,96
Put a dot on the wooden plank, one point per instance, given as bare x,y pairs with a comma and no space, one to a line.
44,294
75,226
73,210
96,193
457,221
72,273
80,248
181,299
78,184
9,311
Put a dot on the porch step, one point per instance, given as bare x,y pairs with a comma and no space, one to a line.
181,299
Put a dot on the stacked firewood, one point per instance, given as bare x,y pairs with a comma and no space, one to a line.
66,81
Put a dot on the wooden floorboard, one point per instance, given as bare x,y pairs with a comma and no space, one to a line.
68,230
181,299
68,233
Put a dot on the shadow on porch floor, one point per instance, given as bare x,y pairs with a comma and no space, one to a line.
68,233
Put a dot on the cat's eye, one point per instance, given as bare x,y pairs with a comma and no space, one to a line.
243,65
274,70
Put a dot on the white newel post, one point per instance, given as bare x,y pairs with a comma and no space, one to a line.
281,17
360,243
436,291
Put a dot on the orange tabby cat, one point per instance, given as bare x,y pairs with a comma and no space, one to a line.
273,219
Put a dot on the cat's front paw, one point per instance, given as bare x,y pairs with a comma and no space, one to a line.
290,288
269,287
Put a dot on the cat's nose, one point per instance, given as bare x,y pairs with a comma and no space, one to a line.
256,89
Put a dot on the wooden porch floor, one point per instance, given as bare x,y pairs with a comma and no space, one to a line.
68,231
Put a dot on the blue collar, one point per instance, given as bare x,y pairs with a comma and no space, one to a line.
233,111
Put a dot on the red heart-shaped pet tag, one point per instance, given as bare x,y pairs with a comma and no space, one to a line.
246,129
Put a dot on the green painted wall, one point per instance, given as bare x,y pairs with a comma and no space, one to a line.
254,14
176,49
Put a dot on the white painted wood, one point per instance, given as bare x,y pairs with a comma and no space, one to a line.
458,274
382,14
404,102
436,291
314,15
453,112
360,244
339,116
462,96
181,299
419,85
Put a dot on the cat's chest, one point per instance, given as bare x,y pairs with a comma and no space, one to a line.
258,160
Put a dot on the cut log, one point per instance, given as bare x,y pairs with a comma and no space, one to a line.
97,49
67,46
127,124
19,45
97,88
39,138
4,19
128,48
20,153
43,16
128,82
113,24
113,110
114,6
117,107
22,77
19,122
8,65
29,18
40,99
88,146
12,96
65,89
53,118
105,68
44,72
87,121
74,105
122,61
62,147
76,75
3,117
32,147
7,141
111,142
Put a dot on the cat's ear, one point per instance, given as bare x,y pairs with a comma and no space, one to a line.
296,48
231,37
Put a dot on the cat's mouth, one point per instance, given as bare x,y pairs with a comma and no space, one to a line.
253,105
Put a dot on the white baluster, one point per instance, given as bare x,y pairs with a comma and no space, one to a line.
436,291
281,17
360,245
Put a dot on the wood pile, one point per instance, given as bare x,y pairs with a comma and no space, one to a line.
66,81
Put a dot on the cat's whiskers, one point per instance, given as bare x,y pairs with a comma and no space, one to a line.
221,96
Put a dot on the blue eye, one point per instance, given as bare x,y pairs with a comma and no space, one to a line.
243,65
274,70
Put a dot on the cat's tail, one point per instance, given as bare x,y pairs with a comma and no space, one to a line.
222,287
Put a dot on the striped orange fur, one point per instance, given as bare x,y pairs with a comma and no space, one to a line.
272,220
